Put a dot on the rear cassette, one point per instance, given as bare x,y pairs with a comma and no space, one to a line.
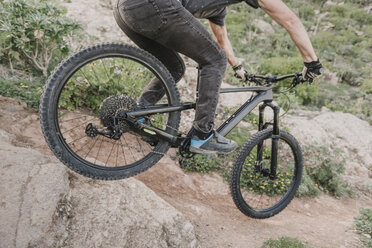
111,106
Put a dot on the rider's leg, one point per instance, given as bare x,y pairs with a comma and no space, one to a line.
171,59
175,28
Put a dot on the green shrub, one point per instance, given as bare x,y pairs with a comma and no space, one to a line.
306,12
200,163
239,134
367,85
34,34
324,166
281,65
100,79
284,242
344,98
307,186
363,224
351,77
26,90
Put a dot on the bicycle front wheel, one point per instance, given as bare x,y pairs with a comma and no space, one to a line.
255,192
86,92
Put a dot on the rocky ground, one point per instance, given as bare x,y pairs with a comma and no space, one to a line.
46,205
43,204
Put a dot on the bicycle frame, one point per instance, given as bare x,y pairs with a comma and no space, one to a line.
264,95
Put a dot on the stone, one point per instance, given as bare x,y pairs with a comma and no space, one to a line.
42,204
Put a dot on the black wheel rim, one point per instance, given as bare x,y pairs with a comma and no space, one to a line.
115,151
259,195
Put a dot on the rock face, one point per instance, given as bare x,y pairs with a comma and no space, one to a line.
44,205
124,214
337,130
31,186
97,19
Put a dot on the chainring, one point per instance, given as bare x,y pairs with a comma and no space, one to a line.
111,106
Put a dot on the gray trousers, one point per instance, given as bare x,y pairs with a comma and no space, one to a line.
165,28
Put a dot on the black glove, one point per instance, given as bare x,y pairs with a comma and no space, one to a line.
312,70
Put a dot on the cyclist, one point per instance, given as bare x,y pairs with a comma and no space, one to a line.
168,27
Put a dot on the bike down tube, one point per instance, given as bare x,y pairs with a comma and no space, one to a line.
244,110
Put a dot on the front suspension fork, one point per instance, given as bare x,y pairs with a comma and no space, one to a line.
275,138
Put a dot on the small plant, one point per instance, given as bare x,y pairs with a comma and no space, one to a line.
33,34
284,242
367,85
324,166
363,224
200,163
307,186
22,89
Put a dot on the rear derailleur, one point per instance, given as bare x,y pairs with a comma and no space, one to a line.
114,132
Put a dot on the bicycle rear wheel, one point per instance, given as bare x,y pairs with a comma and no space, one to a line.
85,92
254,192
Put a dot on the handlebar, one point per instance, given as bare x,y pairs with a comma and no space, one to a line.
297,78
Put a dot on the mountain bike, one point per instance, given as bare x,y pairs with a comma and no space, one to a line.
91,121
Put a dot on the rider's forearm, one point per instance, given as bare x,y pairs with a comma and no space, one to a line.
223,41
280,13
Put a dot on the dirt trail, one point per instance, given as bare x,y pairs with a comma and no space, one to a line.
322,222
205,200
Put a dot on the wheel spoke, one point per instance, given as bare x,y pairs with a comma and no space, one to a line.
95,141
113,144
123,152
94,88
98,151
265,196
77,126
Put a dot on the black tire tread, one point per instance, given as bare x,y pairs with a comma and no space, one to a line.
250,144
49,92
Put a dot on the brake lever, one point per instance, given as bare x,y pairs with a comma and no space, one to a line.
252,78
299,79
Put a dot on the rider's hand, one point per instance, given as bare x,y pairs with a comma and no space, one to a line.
240,72
312,70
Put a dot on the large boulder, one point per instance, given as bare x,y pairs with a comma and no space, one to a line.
31,185
337,130
42,204
124,214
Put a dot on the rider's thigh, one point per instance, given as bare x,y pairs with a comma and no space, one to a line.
171,59
185,34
